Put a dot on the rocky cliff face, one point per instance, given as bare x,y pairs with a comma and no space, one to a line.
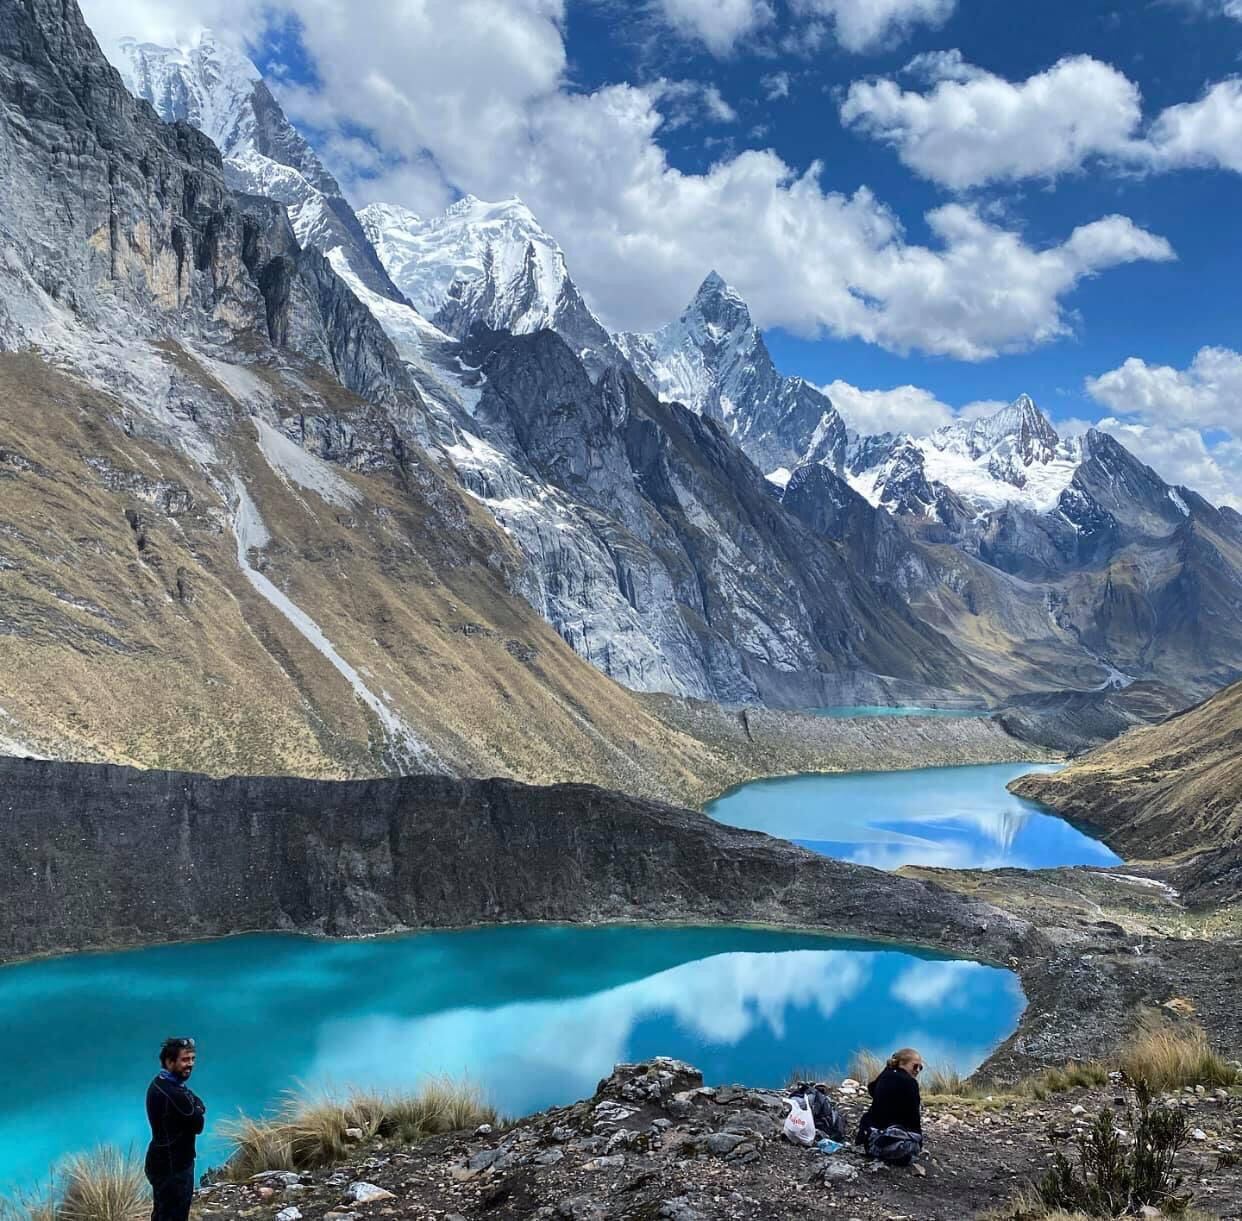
419,852
213,87
223,544
103,210
737,600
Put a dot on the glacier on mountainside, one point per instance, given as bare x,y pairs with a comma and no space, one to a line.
487,263
1013,456
212,86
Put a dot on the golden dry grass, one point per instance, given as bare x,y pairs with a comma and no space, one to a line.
310,1132
1166,1056
102,1185
1169,1057
865,1066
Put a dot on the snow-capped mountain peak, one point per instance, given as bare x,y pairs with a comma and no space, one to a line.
718,314
1027,431
493,251
216,88
489,263
1013,456
713,359
208,84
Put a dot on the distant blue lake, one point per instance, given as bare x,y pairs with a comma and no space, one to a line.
535,1014
956,817
857,710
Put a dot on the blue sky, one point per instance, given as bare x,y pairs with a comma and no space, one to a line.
929,204
1163,312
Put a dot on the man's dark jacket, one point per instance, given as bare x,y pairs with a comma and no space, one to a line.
177,1116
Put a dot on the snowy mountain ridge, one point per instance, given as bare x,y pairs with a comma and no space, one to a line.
1013,456
569,455
713,359
486,263
207,84
214,87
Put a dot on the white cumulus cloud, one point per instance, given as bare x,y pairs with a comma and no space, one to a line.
1206,394
862,25
717,24
907,408
969,127
1185,423
456,96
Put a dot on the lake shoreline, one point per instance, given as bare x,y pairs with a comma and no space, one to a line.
425,853
559,1006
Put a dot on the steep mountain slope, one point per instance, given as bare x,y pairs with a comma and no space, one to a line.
221,545
739,599
489,264
1173,789
646,539
213,87
713,360
659,606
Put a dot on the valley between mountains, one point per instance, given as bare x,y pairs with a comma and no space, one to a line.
397,465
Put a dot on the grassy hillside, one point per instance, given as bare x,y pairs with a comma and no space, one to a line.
1167,790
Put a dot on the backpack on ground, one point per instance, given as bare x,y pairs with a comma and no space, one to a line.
824,1112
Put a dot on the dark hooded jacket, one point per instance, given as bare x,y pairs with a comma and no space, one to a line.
895,1101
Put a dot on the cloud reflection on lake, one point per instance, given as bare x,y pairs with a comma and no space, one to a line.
950,817
536,1015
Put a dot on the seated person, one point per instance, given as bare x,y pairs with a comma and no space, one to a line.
892,1129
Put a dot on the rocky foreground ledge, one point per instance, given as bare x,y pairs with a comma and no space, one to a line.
654,1145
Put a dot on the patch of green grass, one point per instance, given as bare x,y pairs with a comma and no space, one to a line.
1069,1076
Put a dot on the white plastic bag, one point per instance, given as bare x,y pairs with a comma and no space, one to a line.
800,1123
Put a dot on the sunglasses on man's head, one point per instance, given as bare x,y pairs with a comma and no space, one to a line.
181,1044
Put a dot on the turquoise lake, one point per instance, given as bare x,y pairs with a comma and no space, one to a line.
847,711
536,1015
956,817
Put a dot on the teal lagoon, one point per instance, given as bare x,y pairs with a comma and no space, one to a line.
847,711
955,817
533,1014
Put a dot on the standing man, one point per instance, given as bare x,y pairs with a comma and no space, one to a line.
177,1116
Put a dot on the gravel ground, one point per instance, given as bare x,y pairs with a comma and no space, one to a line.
653,1144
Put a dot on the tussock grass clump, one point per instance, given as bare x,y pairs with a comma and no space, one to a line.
865,1066
1168,1057
1065,1077
29,1206
102,1185
821,1075
945,1079
307,1133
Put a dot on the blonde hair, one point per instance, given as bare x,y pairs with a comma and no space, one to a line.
899,1057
